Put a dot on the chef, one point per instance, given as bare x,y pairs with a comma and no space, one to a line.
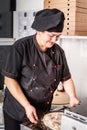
34,67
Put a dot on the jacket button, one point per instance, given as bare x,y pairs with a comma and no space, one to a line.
47,102
54,80
31,90
51,91
34,65
52,52
34,79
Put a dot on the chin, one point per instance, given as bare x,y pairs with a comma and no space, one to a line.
50,45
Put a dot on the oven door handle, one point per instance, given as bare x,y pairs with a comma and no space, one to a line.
62,108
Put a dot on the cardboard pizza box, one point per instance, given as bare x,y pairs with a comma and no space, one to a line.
73,23
75,14
74,33
67,3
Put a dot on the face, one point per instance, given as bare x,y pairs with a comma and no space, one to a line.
48,39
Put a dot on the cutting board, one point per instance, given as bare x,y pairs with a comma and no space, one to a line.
60,98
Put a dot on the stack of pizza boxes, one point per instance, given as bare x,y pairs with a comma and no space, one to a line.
75,15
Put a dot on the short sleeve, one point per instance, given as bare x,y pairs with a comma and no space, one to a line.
13,63
65,69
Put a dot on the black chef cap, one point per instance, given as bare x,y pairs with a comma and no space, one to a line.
51,20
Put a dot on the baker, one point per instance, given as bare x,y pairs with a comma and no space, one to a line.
34,67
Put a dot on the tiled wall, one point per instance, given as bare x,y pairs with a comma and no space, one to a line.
22,23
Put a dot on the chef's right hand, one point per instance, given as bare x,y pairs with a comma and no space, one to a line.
31,113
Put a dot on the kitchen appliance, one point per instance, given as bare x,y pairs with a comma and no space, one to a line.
75,118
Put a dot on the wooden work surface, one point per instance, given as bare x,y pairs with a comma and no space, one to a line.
60,98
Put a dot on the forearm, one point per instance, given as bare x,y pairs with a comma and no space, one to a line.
16,91
69,88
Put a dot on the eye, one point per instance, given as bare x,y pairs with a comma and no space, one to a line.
57,36
51,35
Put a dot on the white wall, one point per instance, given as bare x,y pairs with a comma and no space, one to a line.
23,5
76,52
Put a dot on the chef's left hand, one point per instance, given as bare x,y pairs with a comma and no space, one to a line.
74,101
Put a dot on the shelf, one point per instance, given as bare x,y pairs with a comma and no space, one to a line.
7,41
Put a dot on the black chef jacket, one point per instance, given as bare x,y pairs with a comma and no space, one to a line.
38,74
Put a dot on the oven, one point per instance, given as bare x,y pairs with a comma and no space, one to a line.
75,118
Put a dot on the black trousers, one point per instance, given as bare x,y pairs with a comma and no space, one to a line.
10,123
